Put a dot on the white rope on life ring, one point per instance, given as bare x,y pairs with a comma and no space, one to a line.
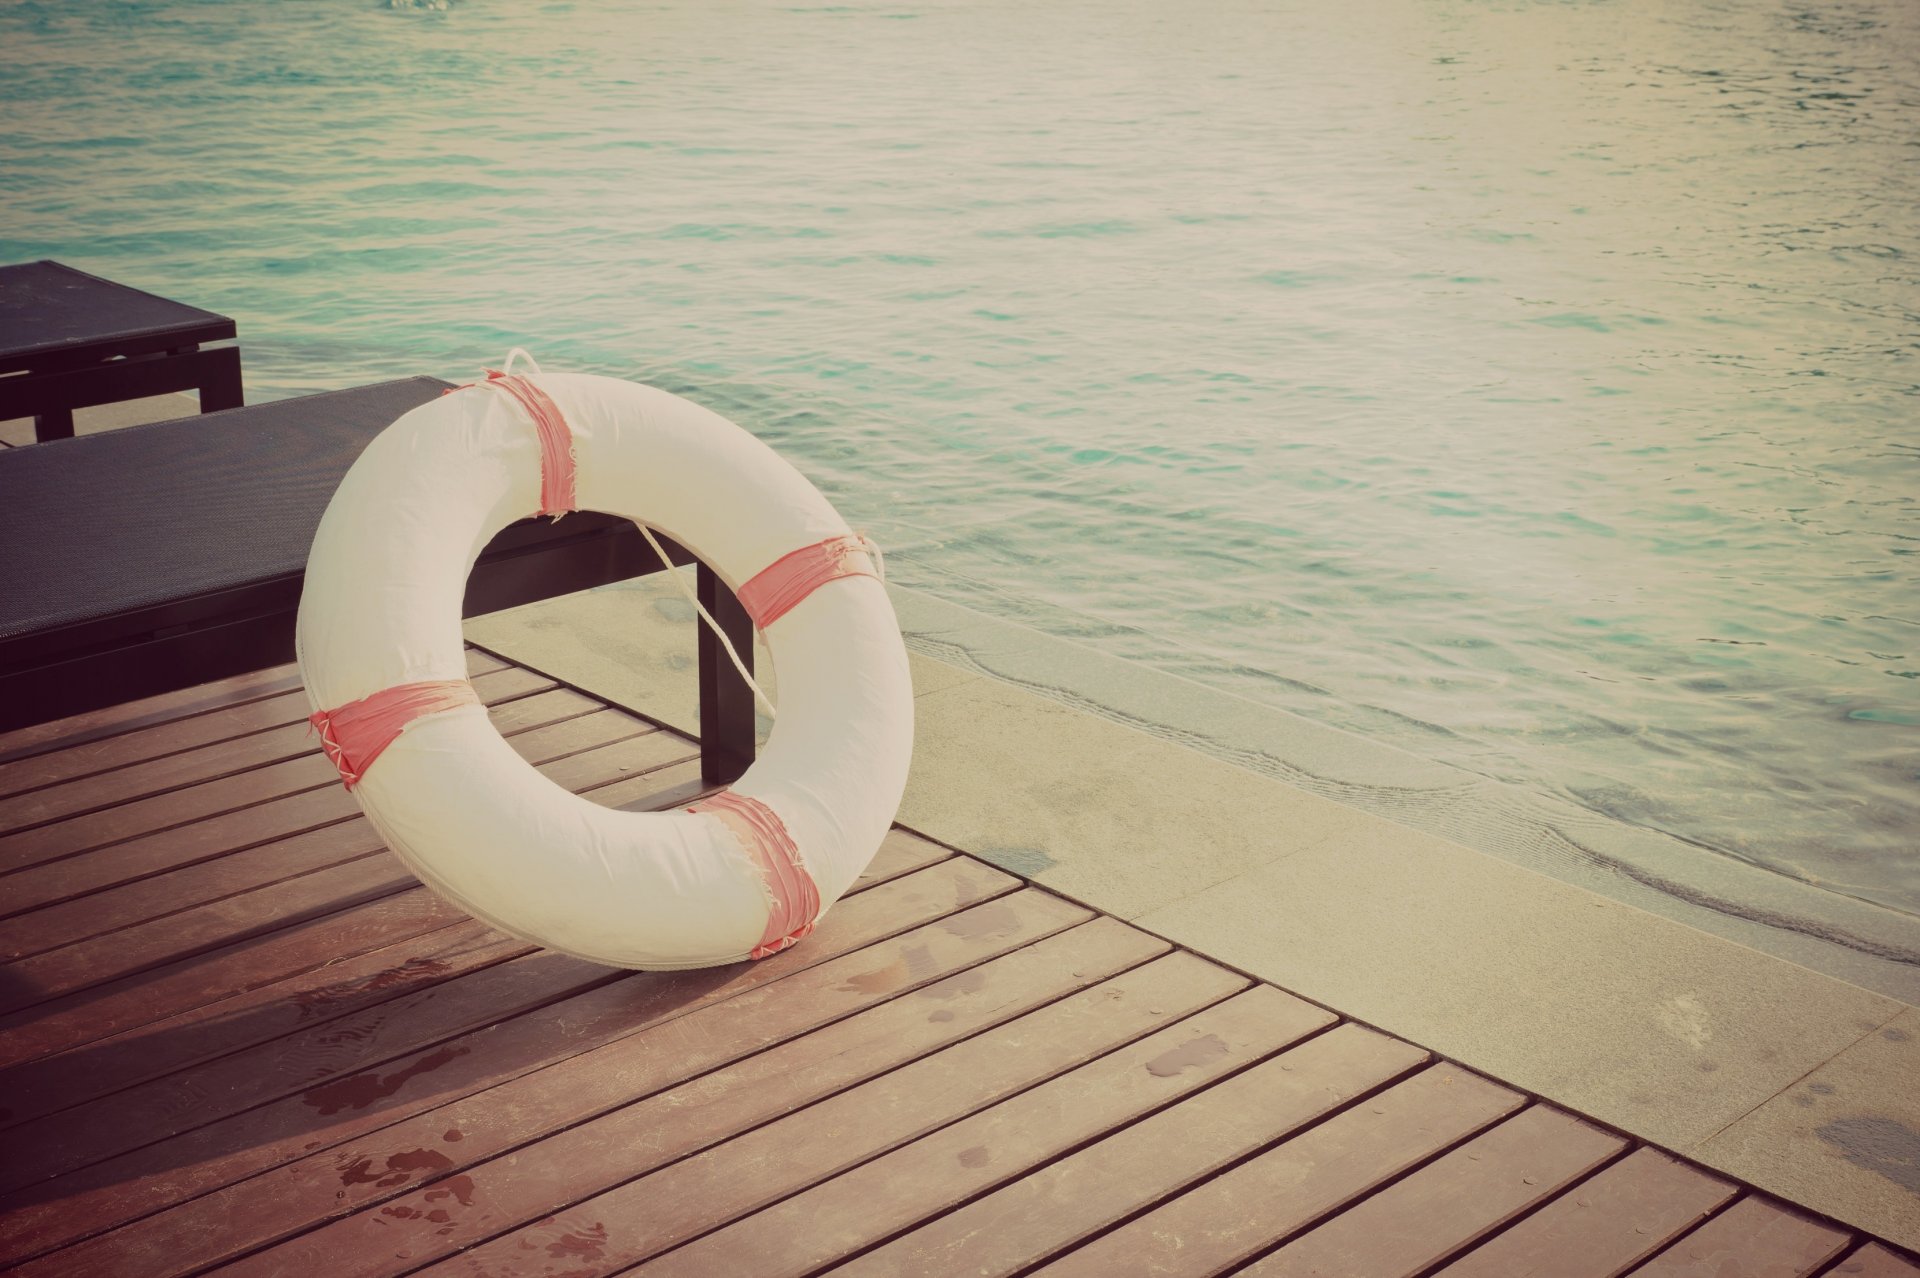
743,874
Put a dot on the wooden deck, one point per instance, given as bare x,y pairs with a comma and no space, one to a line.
236,1034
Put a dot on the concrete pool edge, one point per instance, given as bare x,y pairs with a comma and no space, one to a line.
1798,1082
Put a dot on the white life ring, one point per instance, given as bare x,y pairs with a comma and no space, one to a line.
379,627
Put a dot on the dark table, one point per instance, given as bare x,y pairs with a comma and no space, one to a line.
161,556
72,340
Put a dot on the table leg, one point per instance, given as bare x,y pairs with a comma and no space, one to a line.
55,423
220,383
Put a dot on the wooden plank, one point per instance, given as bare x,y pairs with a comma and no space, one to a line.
64,1209
1071,1199
315,997
195,803
479,661
1605,1226
108,1009
225,755
1755,1238
211,879
163,850
588,1120
1451,1202
85,758
217,759
890,1192
53,1083
1876,1261
491,679
44,843
156,942
92,1199
675,785
144,856
69,968
1247,1209
282,1067
98,913
165,707
393,1040
321,1019
900,852
658,1209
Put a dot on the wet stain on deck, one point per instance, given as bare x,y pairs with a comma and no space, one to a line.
920,962
1199,1051
970,981
580,1244
312,1003
357,1091
979,924
458,1188
400,1168
877,981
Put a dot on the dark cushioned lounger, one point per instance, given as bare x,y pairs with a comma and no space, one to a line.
72,340
157,557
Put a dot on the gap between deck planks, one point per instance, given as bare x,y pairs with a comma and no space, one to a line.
235,1034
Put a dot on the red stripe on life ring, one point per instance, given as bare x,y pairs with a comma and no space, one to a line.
795,897
778,588
556,441
356,734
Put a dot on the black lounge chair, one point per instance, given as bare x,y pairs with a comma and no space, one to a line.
158,557
72,340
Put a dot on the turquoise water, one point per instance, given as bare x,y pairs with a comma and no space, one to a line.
1530,385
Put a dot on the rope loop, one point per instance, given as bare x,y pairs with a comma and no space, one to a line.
686,592
518,352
